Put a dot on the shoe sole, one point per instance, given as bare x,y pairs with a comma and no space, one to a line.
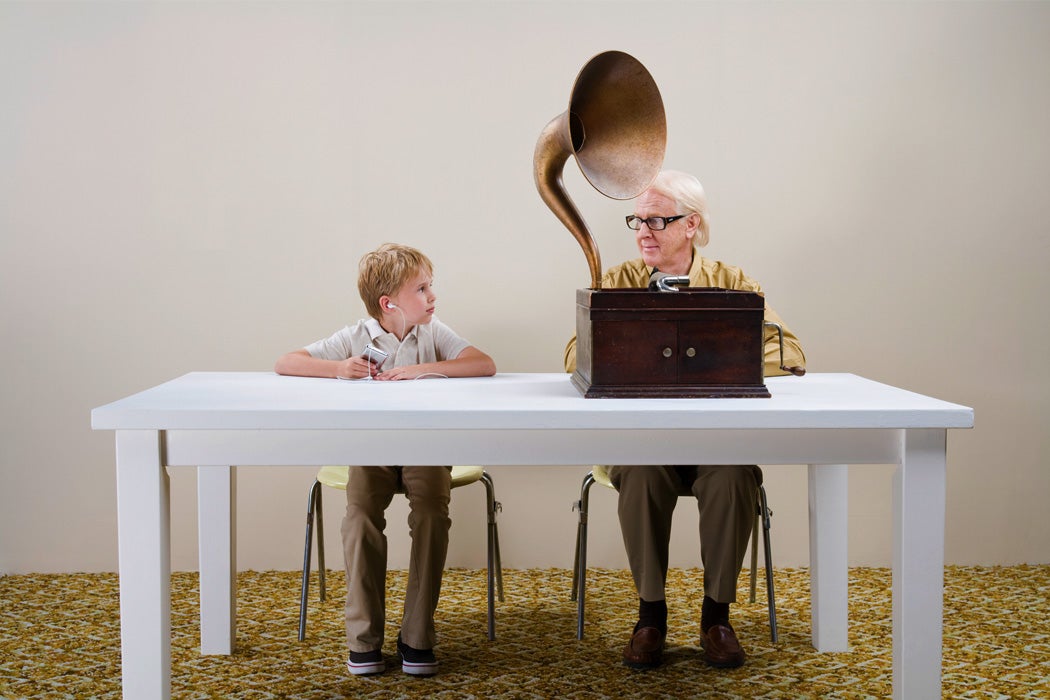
366,669
419,669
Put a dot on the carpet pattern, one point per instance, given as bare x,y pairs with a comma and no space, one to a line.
60,638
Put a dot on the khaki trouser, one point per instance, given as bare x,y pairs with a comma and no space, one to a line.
369,491
726,498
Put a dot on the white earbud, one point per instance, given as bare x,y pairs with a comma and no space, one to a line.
391,306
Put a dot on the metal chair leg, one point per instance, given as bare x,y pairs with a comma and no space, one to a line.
313,501
494,562
499,558
579,570
574,591
578,505
770,593
754,548
319,524
495,508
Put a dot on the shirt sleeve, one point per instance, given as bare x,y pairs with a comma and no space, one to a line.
771,362
570,355
338,346
447,344
793,355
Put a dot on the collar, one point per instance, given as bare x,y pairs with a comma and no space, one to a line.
376,330
694,265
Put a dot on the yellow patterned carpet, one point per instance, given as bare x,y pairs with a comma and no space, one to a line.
59,638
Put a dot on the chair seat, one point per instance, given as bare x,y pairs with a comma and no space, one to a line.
336,477
600,472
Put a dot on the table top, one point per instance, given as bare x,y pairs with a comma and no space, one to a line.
267,401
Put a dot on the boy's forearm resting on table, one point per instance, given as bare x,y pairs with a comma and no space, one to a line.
300,363
470,363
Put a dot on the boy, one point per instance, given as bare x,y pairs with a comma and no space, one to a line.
395,283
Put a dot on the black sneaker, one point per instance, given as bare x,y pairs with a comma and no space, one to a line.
365,663
416,662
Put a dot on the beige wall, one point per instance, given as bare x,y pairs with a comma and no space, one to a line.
189,186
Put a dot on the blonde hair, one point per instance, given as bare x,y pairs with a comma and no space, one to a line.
688,195
385,270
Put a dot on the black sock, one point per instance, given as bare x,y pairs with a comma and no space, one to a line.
652,614
713,613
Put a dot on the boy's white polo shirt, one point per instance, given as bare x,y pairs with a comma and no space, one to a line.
428,342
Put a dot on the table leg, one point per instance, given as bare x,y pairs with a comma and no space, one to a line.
217,535
828,567
918,564
144,545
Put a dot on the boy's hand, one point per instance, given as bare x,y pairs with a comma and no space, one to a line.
356,368
398,373
407,372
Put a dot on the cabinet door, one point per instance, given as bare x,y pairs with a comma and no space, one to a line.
629,352
721,349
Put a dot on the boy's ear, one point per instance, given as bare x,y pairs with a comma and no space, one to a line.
385,304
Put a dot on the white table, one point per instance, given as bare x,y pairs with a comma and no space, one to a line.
214,421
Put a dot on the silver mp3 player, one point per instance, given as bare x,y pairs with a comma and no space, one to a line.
374,355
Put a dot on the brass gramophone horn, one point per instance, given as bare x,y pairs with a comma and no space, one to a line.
615,126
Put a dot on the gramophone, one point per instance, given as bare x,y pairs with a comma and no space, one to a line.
670,340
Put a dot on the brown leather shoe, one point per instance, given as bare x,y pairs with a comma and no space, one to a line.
721,648
645,648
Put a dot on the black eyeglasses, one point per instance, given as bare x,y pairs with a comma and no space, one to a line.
655,223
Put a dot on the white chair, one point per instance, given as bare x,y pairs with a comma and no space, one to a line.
336,477
600,475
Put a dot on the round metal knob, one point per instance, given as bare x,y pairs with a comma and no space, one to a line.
667,352
691,352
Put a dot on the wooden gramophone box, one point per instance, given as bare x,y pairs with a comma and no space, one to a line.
697,342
